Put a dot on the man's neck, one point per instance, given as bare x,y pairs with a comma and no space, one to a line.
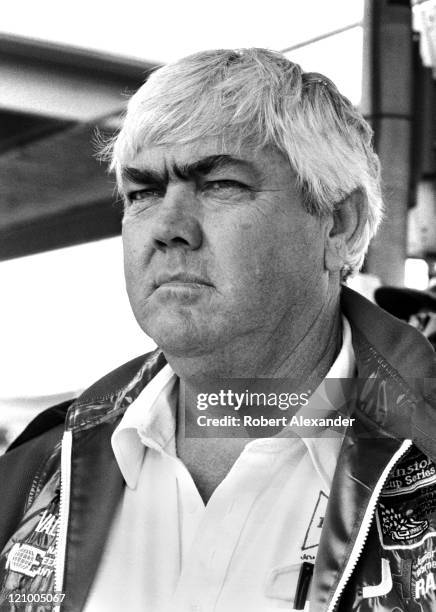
306,362
304,353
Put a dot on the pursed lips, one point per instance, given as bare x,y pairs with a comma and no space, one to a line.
181,279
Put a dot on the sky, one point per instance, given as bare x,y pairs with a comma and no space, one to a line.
64,315
165,30
65,319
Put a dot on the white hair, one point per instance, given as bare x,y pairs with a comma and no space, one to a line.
260,98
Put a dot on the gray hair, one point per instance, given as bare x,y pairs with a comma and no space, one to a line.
259,98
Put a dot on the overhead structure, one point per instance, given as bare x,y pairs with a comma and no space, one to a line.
53,190
55,193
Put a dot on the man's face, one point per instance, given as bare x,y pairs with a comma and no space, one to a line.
218,247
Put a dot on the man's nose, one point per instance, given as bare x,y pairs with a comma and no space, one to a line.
177,223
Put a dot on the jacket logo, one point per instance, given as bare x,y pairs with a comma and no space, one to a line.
417,473
424,584
424,587
25,559
48,523
406,514
400,527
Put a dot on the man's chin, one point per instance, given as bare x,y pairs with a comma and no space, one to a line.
178,337
179,345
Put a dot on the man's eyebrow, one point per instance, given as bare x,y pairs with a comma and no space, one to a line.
143,175
186,171
208,164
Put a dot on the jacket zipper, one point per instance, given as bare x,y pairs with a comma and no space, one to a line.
64,510
366,524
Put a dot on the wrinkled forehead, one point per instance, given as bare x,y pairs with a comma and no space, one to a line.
134,144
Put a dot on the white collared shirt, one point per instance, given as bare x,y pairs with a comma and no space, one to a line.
168,552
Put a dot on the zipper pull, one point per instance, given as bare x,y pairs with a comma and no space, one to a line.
303,585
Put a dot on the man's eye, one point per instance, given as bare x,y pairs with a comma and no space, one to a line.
143,194
224,186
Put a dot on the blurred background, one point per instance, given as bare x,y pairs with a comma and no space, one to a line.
66,69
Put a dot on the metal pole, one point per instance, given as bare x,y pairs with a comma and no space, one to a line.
387,103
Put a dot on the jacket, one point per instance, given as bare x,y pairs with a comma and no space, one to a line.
60,483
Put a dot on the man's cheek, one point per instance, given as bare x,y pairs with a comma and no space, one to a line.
244,269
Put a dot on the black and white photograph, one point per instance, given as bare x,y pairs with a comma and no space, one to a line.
218,306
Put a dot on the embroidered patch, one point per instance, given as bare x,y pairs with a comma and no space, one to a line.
413,575
25,559
412,473
406,512
27,562
424,579
400,527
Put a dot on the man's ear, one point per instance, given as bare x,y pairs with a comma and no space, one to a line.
344,229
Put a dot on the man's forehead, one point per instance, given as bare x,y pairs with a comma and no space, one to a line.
187,152
206,154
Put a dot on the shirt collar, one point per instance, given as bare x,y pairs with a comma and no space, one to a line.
325,446
150,421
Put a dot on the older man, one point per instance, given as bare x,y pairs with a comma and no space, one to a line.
251,192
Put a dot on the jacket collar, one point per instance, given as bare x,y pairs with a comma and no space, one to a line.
395,343
396,369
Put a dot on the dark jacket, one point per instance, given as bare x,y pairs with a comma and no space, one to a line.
378,543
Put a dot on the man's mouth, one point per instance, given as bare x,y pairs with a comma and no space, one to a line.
182,280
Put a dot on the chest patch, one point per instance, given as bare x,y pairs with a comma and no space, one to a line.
27,563
406,511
